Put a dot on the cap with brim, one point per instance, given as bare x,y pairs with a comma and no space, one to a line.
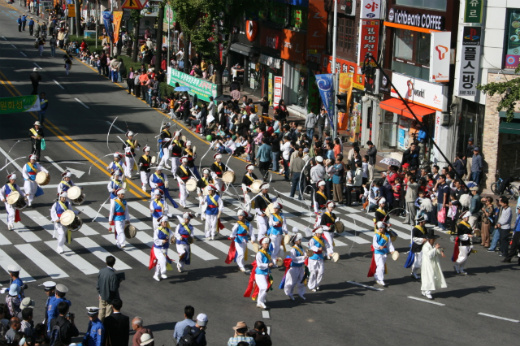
473,188
476,149
48,285
37,123
202,319
380,224
92,310
27,302
13,268
319,159
62,288
265,186
240,325
146,339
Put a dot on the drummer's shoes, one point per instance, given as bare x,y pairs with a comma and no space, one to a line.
261,305
156,277
302,297
10,227
179,268
164,276
380,283
415,276
165,165
291,297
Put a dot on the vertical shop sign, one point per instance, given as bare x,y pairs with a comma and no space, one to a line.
270,88
371,9
470,62
473,11
368,39
278,84
440,57
513,39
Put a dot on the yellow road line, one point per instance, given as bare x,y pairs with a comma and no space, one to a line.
69,142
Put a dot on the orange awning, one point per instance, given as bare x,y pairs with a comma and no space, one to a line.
397,106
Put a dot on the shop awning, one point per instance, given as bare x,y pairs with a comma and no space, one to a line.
242,49
397,106
511,128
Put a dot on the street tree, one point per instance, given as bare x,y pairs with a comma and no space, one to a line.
510,91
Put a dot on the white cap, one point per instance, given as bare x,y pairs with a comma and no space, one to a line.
14,268
241,212
62,288
265,186
186,216
92,310
381,201
202,320
63,194
163,218
319,159
129,133
250,167
146,339
277,205
48,285
184,159
217,156
210,188
321,183
116,154
37,123
121,191
331,204
381,224
67,174
11,176
33,157
188,143
206,171
465,215
157,192
146,148
318,230
265,240
296,237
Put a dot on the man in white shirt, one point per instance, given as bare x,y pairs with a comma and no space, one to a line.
286,155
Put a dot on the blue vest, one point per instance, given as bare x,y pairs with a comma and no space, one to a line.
157,209
64,187
8,189
183,232
59,208
299,252
381,242
114,167
264,260
119,212
242,233
276,230
163,236
317,256
212,209
31,172
115,184
157,180
95,334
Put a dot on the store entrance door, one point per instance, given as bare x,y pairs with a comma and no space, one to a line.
389,130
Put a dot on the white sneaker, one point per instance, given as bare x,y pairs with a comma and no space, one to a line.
179,268
314,290
261,305
10,227
59,251
427,294
164,276
156,277
380,283
243,270
463,272
123,246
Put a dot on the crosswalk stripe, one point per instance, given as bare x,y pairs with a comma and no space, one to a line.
48,225
42,261
370,223
101,252
354,238
91,213
140,208
130,249
25,233
133,221
4,240
6,260
73,258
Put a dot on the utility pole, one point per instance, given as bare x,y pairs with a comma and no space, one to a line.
158,43
334,125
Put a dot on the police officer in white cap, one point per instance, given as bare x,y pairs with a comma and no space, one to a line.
211,210
162,237
57,209
183,239
9,187
240,236
317,171
49,288
59,296
14,274
119,217
130,146
296,273
95,334
145,162
29,171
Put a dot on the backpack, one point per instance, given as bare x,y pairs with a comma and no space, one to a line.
55,336
189,337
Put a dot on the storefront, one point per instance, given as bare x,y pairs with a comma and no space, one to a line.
270,62
295,70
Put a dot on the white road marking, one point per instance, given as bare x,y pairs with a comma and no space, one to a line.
22,231
47,224
4,240
426,301
91,213
499,317
10,159
25,55
6,260
265,314
117,128
370,223
58,84
81,103
54,164
42,261
73,258
365,286
12,45
90,183
130,249
35,64
101,252
5,39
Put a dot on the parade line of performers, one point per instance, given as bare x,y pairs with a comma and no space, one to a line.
303,268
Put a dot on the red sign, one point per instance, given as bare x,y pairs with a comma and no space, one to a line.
278,84
134,4
345,66
251,30
317,25
270,38
293,46
368,39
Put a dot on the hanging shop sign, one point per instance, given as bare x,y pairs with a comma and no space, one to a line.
440,44
368,39
473,11
278,86
371,9
512,55
420,92
251,30
424,20
470,61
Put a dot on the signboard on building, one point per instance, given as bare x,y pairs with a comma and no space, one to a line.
371,9
470,61
512,39
440,44
420,92
317,26
421,20
368,39
71,13
278,86
345,66
293,46
473,11
199,86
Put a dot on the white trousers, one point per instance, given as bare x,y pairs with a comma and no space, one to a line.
129,166
241,250
218,184
166,156
144,179
463,255
183,194
211,225
155,223
316,270
293,279
261,282
160,254
276,240
175,163
181,250
61,232
416,266
261,226
329,236
30,188
380,270
120,233
10,214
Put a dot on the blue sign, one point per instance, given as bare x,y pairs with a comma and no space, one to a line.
325,83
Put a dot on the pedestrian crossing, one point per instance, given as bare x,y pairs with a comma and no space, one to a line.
90,246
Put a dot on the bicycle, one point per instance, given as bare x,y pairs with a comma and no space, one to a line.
504,187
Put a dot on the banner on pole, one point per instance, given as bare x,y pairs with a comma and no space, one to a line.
117,17
107,21
17,104
325,83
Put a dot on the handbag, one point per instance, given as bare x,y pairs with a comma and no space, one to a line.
441,215
43,145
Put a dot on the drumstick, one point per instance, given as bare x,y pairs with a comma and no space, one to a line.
1,169
110,128
15,143
94,219
210,146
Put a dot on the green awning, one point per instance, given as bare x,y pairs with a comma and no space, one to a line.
511,128
504,115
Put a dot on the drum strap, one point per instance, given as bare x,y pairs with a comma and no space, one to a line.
243,225
159,176
250,178
31,167
118,166
319,241
186,228
183,169
11,187
190,153
121,204
330,215
65,183
384,236
63,206
165,231
322,195
266,254
297,248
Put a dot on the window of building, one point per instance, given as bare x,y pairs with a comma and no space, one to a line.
411,54
347,37
430,4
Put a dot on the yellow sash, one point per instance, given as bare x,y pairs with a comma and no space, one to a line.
65,183
213,200
186,228
250,178
131,144
118,201
244,226
465,224
298,249
420,228
32,167
322,195
319,241
159,203
11,187
382,211
183,169
188,151
205,182
35,133
218,165
266,255
145,157
330,215
278,217
162,229
117,182
63,206
384,236
168,133
177,143
119,166
159,176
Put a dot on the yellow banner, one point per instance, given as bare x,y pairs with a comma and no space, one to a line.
346,83
118,15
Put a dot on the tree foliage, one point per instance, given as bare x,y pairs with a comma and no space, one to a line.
510,91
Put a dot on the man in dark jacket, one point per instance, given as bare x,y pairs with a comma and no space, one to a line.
259,333
117,326
108,287
65,321
35,80
411,156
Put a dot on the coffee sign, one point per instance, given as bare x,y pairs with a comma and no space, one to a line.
425,20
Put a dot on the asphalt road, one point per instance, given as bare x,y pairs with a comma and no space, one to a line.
346,310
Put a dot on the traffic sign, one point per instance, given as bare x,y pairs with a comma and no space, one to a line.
134,4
